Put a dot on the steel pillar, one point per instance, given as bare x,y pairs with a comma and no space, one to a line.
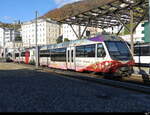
131,32
74,32
149,27
36,44
79,35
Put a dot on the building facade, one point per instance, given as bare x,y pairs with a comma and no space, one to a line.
138,35
67,31
47,32
2,37
7,37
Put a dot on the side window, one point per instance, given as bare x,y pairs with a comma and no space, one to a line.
100,50
53,54
137,51
85,51
23,54
16,55
58,54
44,53
145,51
80,51
90,50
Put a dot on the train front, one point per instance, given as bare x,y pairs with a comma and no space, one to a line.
122,62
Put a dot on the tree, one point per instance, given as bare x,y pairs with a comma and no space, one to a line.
66,40
59,39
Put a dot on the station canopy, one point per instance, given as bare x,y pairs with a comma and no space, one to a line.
101,13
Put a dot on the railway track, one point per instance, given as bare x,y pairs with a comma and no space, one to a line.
133,83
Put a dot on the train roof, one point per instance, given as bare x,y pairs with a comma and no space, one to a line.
142,44
99,38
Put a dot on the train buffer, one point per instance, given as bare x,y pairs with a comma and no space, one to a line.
143,72
145,75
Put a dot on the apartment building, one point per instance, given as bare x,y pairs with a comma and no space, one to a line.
47,32
138,35
2,37
7,37
67,31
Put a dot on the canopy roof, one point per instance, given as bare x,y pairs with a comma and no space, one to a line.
101,13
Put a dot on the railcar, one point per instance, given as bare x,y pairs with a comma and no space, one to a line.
20,57
44,55
26,56
104,53
142,54
17,57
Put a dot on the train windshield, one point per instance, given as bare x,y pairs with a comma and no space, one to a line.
118,50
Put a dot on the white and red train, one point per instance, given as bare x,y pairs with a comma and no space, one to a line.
142,54
104,53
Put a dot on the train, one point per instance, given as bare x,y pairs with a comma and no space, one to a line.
142,54
101,54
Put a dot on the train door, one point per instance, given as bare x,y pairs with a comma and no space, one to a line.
27,56
71,58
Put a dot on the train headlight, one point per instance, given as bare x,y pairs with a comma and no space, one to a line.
107,64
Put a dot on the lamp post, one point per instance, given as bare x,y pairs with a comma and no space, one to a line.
36,44
13,40
149,29
4,48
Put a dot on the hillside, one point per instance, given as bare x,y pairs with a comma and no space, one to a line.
74,9
6,25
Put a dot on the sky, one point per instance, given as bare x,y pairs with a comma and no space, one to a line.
24,10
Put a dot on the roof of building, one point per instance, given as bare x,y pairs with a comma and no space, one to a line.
39,20
100,13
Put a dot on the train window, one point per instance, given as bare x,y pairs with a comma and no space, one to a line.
80,51
142,51
145,51
100,50
85,51
44,53
118,50
89,51
58,54
61,53
53,54
137,51
16,54
22,54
